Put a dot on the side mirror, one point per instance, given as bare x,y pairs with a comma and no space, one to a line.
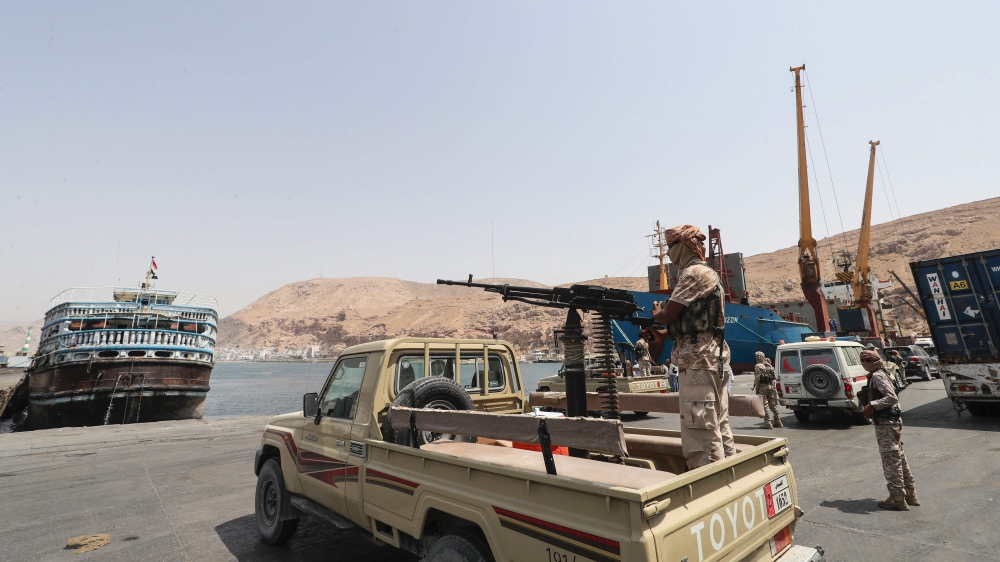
310,405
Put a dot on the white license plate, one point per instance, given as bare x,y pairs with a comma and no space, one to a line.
778,496
793,388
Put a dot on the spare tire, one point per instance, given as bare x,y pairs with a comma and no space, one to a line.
821,381
435,393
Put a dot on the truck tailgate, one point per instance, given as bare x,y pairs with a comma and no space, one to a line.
736,509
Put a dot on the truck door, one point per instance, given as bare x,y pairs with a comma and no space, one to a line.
324,449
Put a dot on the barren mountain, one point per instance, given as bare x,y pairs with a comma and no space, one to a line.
334,313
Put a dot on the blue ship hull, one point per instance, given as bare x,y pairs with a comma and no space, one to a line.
749,329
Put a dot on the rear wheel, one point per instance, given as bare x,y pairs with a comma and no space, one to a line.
270,496
460,546
801,416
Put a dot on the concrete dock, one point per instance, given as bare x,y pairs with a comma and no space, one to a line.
184,490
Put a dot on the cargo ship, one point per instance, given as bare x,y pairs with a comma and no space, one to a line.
122,355
749,329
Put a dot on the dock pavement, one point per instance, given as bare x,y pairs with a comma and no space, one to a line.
184,490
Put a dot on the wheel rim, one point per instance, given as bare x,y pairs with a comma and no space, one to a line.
430,436
269,502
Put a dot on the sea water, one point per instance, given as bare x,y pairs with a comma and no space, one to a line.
271,388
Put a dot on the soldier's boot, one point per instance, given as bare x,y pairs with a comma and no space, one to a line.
767,424
896,502
777,422
911,496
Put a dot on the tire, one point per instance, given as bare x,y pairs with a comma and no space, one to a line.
821,381
926,373
859,419
801,416
271,494
460,546
437,393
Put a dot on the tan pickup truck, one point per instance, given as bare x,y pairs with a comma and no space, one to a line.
633,384
397,447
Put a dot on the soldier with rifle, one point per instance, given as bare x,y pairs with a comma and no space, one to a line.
763,385
696,321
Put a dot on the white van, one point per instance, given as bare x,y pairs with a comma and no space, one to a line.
820,376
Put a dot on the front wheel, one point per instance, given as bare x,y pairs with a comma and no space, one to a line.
271,493
460,546
801,416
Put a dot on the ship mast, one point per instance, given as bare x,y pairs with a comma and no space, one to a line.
809,270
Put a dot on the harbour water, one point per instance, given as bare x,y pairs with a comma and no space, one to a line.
270,388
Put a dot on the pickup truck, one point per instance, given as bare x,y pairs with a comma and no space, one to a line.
419,457
594,380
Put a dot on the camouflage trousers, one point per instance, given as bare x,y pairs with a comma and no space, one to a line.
890,447
644,367
705,433
770,398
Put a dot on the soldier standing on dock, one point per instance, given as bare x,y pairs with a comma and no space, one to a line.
883,409
763,384
695,320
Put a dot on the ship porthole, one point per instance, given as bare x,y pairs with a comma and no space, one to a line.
137,354
164,354
107,354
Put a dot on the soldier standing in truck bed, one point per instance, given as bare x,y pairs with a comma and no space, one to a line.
696,321
763,384
642,356
883,410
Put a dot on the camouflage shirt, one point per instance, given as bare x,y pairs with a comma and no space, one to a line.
642,350
694,282
763,369
880,380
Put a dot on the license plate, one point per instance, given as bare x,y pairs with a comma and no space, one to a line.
778,496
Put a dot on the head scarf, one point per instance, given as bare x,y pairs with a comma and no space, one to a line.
871,361
760,356
690,235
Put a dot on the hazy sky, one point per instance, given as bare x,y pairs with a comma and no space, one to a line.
248,145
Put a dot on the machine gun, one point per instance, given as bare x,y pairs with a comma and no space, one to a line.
615,304
607,305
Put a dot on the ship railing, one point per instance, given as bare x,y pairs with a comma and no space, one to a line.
96,310
106,295
166,338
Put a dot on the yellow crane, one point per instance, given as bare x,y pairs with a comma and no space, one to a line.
861,283
809,271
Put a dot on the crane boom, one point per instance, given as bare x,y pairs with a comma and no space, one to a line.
862,287
809,270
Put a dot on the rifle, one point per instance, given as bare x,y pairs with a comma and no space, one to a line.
616,304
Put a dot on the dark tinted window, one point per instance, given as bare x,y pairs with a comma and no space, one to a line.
903,351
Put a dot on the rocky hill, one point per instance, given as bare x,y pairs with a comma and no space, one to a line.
334,313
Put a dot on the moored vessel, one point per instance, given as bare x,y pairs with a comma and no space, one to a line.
122,355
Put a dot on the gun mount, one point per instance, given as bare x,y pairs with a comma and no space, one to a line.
607,305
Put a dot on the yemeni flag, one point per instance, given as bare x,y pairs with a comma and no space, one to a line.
154,262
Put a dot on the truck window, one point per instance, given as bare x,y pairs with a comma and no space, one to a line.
789,362
340,400
852,355
411,367
823,356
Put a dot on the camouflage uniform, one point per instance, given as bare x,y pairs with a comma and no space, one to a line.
766,390
705,433
642,356
888,431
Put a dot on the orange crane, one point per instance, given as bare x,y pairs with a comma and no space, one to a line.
809,271
861,283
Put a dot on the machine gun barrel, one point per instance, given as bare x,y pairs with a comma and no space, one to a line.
615,303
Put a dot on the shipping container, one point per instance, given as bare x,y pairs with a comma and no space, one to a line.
960,297
854,319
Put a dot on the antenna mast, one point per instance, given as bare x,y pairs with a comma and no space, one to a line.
659,241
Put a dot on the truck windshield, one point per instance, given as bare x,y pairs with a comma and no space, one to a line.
823,356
